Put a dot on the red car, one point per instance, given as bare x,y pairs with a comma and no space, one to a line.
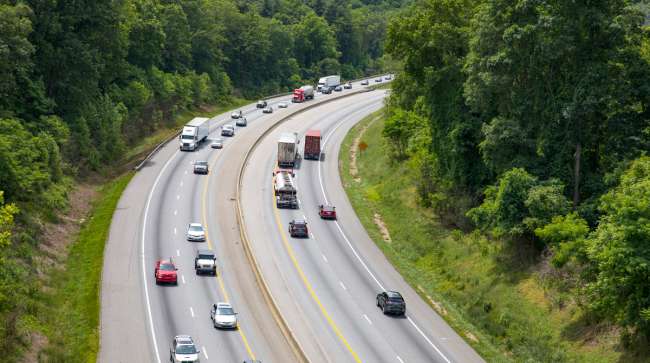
327,211
165,272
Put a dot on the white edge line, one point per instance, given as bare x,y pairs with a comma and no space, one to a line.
427,339
191,311
320,181
183,278
144,275
400,359
343,286
205,352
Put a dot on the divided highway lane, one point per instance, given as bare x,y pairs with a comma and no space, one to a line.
333,277
150,223
175,199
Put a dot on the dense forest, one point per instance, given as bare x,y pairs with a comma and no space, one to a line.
530,120
81,81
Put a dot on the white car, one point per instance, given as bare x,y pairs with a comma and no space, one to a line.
237,114
283,105
195,232
268,109
217,144
183,350
364,82
223,316
228,130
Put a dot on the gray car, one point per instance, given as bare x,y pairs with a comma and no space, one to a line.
217,144
241,122
200,167
223,316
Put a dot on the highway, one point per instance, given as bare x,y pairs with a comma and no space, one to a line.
326,285
138,318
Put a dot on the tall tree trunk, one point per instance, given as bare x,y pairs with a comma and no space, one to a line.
576,176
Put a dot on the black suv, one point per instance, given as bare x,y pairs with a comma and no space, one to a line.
391,302
298,228
261,104
326,90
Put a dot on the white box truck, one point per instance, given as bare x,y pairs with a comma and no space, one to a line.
329,81
288,149
194,133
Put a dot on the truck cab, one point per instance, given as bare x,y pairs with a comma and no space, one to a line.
194,133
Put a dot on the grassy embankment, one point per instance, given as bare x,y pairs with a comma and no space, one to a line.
501,309
72,302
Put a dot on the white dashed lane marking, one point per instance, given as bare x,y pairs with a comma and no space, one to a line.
367,318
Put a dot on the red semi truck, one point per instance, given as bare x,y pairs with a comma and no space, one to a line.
312,145
303,93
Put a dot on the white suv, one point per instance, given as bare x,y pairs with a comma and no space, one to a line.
183,350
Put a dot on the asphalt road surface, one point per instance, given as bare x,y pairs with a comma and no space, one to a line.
139,318
326,285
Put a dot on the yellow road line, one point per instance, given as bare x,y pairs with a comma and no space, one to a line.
218,275
327,316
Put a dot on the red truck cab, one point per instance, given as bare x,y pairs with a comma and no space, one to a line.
312,145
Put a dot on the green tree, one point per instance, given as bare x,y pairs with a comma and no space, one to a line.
619,252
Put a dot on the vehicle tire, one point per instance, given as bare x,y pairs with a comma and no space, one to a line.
197,272
377,300
383,310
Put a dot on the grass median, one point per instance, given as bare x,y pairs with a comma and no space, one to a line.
502,310
73,306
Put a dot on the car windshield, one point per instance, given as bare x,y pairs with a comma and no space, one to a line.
206,256
187,137
225,311
196,228
167,266
186,349
201,163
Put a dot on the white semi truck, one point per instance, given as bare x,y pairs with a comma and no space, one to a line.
329,81
288,149
194,133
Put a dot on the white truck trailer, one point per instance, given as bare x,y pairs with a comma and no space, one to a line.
288,149
194,133
329,81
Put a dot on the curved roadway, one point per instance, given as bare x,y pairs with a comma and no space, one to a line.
326,285
138,318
